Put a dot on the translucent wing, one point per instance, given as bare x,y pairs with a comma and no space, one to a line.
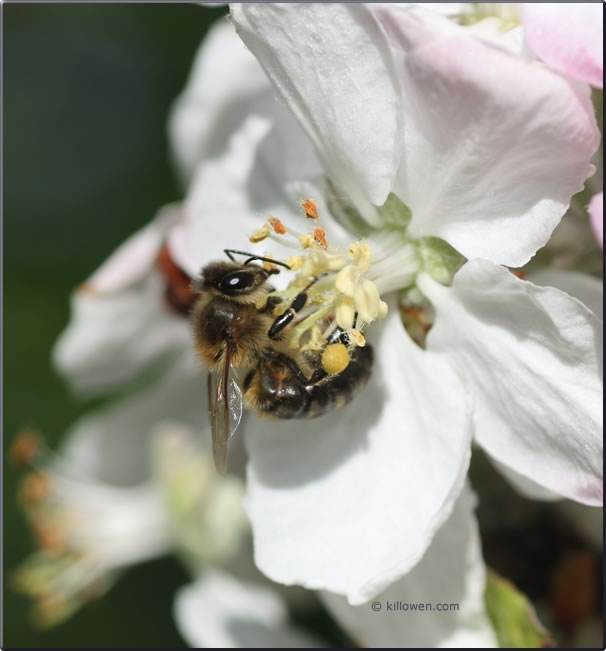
224,409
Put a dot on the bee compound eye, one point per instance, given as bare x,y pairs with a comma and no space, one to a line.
236,282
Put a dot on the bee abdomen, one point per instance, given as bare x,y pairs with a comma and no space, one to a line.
336,391
273,389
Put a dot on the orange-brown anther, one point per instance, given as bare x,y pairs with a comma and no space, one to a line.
277,225
35,487
320,237
49,538
522,275
25,447
86,288
310,208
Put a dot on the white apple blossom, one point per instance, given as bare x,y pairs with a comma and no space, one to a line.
411,132
91,529
485,156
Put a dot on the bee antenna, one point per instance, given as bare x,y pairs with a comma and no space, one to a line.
251,258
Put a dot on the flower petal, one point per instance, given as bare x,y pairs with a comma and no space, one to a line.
133,260
596,213
219,612
525,486
268,169
530,355
225,85
111,444
350,501
585,288
332,65
120,323
568,36
451,574
112,338
494,147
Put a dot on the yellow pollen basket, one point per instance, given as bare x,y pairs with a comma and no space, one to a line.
335,358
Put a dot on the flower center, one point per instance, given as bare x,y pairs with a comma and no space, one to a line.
343,286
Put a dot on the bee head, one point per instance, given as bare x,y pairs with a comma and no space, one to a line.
230,279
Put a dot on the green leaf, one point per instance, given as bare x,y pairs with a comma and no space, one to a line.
513,617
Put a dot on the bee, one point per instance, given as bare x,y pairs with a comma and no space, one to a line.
235,339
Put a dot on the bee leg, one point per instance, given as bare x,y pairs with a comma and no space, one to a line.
298,303
284,319
290,364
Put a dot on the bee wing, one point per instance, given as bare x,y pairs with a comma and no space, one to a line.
225,409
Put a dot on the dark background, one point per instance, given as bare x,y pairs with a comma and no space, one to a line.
87,89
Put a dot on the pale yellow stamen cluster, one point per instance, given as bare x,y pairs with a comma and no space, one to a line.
358,294
343,295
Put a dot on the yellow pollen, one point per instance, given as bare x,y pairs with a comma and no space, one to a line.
295,263
335,358
306,241
260,234
357,337
267,264
310,208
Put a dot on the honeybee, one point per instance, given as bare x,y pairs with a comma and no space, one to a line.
236,340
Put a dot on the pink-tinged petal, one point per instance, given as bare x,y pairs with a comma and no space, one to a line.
332,65
451,572
121,323
113,338
494,147
568,36
350,501
597,217
226,84
133,260
531,357
218,611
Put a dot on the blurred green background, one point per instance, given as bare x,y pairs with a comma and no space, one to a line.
87,90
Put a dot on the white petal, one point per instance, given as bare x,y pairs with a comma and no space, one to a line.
587,289
268,169
120,323
225,85
132,261
219,612
451,573
332,65
112,444
494,147
113,337
524,485
568,36
531,357
350,501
